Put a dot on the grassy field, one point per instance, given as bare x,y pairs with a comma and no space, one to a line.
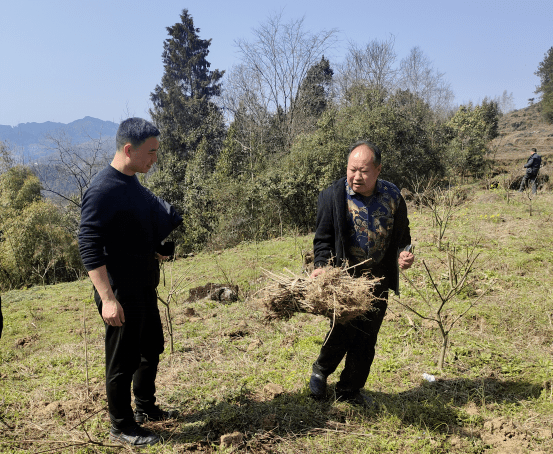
232,372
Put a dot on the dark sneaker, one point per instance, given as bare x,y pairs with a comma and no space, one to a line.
156,414
134,436
317,385
356,398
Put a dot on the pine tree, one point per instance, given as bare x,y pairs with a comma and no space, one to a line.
314,90
190,122
545,73
313,97
490,113
183,109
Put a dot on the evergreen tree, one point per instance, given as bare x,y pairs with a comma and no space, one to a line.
314,90
185,113
469,136
313,96
200,217
490,113
547,103
183,109
545,73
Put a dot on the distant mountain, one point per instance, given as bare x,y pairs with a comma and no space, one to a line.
29,139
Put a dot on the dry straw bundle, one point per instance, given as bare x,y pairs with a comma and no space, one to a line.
334,294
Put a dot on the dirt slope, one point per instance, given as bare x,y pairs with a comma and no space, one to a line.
520,131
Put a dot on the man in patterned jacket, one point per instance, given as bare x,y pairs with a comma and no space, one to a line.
361,222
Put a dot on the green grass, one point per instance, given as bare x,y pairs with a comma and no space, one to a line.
493,395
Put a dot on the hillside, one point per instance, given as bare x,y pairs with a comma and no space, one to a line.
519,132
232,371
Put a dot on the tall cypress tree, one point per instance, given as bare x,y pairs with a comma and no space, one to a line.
182,106
184,111
313,97
314,90
545,73
490,113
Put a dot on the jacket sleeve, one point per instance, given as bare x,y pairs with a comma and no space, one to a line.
401,238
324,240
401,225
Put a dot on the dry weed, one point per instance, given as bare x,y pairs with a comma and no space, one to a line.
334,294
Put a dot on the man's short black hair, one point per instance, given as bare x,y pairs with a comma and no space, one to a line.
372,147
136,131
534,150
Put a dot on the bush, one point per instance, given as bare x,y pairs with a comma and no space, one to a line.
35,244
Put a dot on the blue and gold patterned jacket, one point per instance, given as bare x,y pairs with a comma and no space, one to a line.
352,228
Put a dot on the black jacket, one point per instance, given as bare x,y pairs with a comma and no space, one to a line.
533,165
331,235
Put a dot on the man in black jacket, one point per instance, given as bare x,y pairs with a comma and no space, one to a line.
532,167
361,222
122,226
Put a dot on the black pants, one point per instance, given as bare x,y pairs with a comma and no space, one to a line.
526,179
1,318
132,357
356,340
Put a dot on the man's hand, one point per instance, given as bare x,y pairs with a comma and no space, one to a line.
317,272
162,258
112,313
405,260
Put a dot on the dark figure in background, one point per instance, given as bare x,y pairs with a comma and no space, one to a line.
122,227
359,217
532,167
1,318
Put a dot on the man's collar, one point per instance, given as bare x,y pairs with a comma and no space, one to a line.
351,192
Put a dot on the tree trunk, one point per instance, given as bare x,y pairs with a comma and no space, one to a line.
442,353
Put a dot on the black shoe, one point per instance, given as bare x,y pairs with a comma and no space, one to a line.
134,436
356,398
155,414
317,385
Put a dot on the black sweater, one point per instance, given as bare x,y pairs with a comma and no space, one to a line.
122,224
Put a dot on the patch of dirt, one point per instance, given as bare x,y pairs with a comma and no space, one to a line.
506,437
25,341
217,292
72,308
239,331
200,447
271,390
256,343
232,440
72,411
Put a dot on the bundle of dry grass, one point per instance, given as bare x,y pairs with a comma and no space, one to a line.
334,294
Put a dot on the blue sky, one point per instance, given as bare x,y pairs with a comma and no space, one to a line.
61,60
